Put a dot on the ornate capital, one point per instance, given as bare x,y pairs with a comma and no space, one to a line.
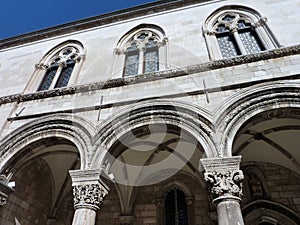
159,202
89,196
223,176
41,66
209,32
189,200
262,21
118,51
225,182
62,64
88,189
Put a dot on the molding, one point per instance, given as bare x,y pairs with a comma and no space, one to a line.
159,75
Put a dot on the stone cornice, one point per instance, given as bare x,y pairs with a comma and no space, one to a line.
183,71
91,22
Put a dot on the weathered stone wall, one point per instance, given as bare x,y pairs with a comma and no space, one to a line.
31,202
278,183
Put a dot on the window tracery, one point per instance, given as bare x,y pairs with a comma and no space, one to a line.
59,65
142,46
142,50
237,30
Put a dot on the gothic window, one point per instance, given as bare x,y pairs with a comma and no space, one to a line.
237,30
142,54
176,209
59,66
142,50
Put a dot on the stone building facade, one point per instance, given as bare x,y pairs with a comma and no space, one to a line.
169,113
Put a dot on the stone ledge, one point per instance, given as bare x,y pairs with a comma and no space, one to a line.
141,78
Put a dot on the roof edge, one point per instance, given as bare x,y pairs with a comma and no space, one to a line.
100,20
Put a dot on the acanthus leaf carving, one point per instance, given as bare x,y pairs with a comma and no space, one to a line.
89,194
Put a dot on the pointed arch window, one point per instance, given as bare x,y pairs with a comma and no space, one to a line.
59,67
176,208
235,30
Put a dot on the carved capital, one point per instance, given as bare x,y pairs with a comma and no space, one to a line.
262,21
159,202
62,64
89,196
209,32
189,200
223,176
118,51
41,66
88,189
79,58
225,182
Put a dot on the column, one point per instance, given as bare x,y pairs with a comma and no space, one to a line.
5,190
225,180
89,191
57,75
239,41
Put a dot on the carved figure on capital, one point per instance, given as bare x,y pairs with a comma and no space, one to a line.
225,182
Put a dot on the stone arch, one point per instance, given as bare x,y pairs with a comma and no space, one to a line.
155,28
268,211
247,103
194,120
65,126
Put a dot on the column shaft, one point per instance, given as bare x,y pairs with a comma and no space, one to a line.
84,217
229,212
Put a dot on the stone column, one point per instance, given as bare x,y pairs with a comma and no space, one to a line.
225,180
89,191
5,190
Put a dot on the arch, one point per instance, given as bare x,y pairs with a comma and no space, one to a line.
233,30
267,211
144,26
68,127
75,43
194,120
231,115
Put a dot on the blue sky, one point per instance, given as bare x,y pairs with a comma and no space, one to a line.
23,16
